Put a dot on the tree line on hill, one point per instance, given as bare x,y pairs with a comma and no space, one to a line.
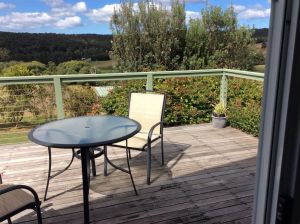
59,48
46,47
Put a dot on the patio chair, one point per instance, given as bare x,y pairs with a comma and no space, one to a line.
148,109
17,198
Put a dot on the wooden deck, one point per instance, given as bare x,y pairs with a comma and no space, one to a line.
208,178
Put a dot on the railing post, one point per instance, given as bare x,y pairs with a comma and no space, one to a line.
58,98
149,86
223,89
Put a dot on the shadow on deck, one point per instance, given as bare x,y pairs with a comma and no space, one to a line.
208,178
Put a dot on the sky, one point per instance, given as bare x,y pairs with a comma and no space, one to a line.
93,16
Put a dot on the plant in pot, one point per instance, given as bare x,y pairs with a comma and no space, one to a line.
219,115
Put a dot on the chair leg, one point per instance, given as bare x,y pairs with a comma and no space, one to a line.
148,163
129,153
38,213
129,170
9,221
105,162
162,151
93,162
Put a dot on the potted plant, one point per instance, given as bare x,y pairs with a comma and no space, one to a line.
219,115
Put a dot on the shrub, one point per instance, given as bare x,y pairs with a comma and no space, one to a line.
189,100
244,104
220,110
73,67
15,99
79,100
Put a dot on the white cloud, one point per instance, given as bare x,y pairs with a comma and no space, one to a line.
59,18
61,15
4,5
68,22
192,15
20,21
54,3
239,8
255,12
79,7
104,14
69,10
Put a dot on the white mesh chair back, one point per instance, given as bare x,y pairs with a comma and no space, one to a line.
147,109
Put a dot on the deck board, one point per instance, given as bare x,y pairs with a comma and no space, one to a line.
208,178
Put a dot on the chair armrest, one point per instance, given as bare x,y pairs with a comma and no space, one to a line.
16,187
152,129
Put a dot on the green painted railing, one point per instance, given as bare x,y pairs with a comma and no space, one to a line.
58,80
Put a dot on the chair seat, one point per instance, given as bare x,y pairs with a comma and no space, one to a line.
139,141
14,200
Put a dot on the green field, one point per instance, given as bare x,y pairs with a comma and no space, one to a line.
13,135
259,68
103,66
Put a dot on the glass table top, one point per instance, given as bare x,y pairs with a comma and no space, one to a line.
85,131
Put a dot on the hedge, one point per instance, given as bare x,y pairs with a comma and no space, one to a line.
191,100
244,104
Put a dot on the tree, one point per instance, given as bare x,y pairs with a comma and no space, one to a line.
217,41
4,54
149,37
73,67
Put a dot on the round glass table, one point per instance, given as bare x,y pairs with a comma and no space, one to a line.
84,133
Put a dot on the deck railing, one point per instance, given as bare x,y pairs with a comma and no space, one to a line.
58,80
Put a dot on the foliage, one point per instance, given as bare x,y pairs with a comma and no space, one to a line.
79,100
73,67
216,41
45,47
189,100
244,104
19,98
261,35
41,102
220,110
4,54
148,38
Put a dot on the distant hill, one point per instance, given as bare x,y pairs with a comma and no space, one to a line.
45,47
261,35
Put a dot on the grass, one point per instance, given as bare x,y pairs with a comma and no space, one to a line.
103,66
259,68
14,136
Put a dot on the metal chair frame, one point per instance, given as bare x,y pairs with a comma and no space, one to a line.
147,147
34,205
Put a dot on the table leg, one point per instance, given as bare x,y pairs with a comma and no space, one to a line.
85,166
